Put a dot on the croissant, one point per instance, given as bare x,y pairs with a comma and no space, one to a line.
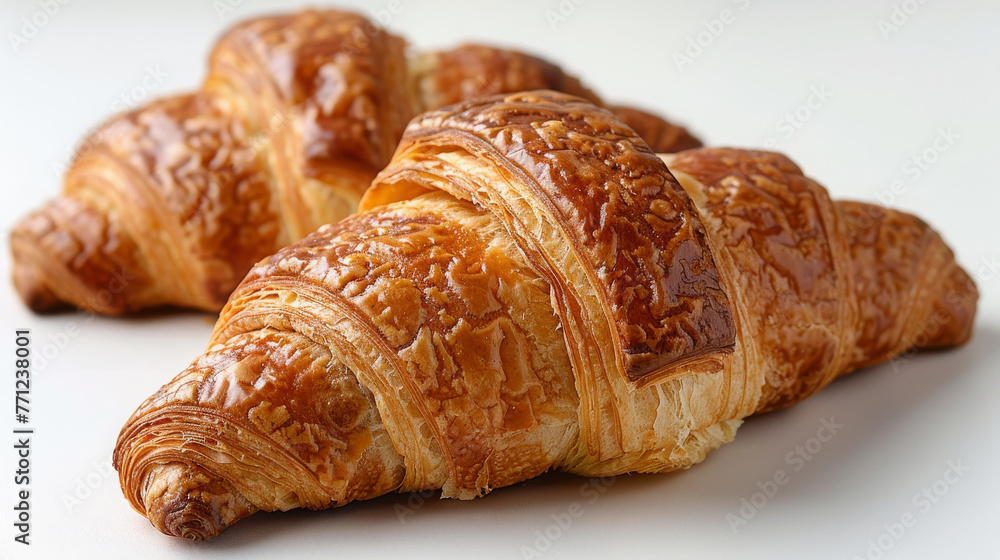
528,287
172,204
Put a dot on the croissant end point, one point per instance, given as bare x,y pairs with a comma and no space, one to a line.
184,501
193,521
33,291
953,312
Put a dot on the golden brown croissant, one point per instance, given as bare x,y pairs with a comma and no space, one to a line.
172,204
529,288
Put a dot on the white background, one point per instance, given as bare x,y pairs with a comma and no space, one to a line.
902,423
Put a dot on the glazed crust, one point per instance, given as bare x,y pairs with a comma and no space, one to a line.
329,93
911,292
782,239
853,284
167,192
297,115
604,222
473,327
584,177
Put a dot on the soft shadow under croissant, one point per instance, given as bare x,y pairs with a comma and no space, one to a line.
528,287
171,204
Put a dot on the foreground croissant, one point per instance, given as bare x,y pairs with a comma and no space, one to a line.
172,204
531,289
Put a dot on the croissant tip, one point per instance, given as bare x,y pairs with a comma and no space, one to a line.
192,521
953,311
33,291
184,501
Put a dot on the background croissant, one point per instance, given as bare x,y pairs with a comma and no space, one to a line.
172,203
529,288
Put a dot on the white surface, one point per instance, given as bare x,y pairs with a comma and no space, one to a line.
901,424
